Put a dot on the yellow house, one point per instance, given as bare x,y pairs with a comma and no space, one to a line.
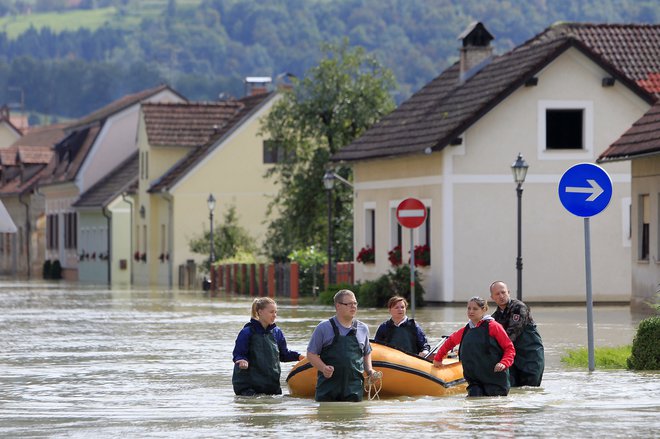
641,146
186,153
559,99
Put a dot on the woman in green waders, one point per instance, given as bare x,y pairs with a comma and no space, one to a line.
340,351
486,352
260,346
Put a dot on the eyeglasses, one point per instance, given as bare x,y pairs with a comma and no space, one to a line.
348,304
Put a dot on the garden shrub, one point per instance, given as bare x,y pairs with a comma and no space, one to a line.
47,269
645,348
56,270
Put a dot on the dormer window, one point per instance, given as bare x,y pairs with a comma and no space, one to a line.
565,130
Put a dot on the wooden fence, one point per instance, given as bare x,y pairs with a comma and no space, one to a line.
272,280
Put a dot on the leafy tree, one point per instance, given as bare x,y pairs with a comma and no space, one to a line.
335,103
229,239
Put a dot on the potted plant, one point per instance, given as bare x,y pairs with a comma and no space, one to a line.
367,255
394,256
422,255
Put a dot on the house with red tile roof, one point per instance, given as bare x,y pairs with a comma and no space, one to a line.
92,146
558,99
22,165
640,145
187,152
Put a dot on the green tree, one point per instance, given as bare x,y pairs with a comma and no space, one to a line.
229,239
336,102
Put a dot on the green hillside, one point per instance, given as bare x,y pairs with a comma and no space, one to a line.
69,57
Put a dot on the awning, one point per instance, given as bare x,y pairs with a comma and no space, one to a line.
6,223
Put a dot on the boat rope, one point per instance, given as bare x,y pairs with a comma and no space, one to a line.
373,383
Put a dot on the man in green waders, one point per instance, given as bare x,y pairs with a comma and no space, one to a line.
515,317
340,351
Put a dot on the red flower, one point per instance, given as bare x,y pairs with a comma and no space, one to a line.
394,255
422,255
367,255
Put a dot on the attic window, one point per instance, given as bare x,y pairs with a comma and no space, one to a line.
564,129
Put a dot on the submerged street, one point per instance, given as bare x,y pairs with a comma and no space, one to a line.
84,362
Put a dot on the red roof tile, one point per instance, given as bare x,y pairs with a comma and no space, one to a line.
642,139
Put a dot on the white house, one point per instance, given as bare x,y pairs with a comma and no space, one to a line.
559,99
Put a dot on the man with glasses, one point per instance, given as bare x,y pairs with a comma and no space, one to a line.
339,349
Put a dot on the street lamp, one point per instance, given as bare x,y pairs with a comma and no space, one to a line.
211,204
519,169
329,183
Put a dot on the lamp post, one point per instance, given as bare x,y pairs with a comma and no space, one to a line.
519,169
329,183
211,204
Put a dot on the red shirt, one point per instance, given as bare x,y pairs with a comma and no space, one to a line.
495,330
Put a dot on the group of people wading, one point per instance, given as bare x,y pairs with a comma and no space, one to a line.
497,351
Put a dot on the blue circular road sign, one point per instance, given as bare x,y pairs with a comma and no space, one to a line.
585,189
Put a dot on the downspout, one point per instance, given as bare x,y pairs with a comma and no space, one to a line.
170,235
130,233
28,232
106,213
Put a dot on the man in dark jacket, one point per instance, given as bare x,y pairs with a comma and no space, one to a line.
515,317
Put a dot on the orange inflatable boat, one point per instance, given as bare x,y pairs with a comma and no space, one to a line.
403,375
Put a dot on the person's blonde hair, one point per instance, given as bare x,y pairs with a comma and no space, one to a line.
342,293
482,303
396,299
260,303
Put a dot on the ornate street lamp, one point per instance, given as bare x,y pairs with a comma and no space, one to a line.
519,169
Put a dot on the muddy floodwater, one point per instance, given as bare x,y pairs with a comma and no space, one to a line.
95,363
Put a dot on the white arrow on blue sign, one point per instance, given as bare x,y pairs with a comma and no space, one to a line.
585,189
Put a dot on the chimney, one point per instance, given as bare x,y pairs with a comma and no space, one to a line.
476,52
255,85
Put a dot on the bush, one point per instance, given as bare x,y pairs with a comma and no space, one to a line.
47,269
56,270
645,348
327,296
310,264
395,283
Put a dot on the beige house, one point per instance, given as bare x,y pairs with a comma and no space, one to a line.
559,99
187,152
9,132
92,147
641,146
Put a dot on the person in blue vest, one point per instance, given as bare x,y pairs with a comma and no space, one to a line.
485,352
516,318
339,349
260,346
400,331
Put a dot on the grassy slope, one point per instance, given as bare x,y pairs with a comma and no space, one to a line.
88,19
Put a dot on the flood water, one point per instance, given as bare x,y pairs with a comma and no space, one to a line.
83,363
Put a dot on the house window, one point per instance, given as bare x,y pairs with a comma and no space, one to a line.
644,226
70,230
564,129
370,228
395,229
52,232
274,152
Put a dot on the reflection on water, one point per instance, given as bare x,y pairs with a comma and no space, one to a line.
136,363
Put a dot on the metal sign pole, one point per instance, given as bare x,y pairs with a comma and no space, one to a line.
412,275
590,303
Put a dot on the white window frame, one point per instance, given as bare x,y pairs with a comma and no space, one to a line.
587,152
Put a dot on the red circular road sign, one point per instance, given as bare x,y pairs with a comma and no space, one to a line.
411,213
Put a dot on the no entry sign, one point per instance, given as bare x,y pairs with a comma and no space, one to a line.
411,213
